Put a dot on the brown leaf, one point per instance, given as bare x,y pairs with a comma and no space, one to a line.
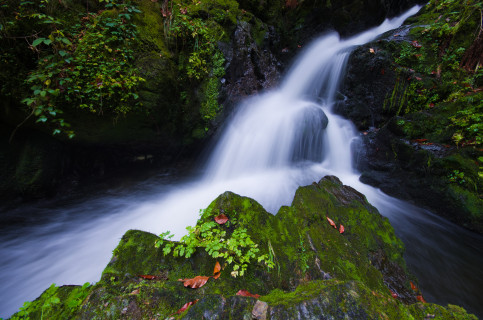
332,223
147,277
415,44
186,306
420,298
413,286
135,292
221,219
195,282
245,293
217,270
420,140
341,229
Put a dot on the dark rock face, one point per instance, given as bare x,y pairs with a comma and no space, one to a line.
250,67
405,170
390,160
369,82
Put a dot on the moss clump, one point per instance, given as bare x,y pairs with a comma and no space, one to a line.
55,303
318,271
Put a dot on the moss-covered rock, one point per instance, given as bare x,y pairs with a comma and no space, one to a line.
420,109
318,271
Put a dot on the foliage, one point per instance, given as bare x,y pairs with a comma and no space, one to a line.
438,95
228,242
457,177
431,65
192,30
83,62
54,303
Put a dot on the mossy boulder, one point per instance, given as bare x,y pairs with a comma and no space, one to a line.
318,271
419,108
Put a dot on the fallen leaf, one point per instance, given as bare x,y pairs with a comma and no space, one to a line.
420,298
221,219
332,223
186,306
416,44
217,270
341,229
195,282
146,276
413,286
245,293
135,292
420,140
371,50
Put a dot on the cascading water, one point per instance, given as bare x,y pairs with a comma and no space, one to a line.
275,142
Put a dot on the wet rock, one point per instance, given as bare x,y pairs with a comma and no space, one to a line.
250,66
259,311
365,264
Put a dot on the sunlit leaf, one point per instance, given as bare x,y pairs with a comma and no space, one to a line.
245,293
195,282
186,306
221,219
217,270
332,223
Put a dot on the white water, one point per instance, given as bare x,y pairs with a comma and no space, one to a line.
274,143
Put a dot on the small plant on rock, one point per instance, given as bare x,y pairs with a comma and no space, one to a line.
221,241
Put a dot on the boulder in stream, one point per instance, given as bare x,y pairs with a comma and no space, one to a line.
317,271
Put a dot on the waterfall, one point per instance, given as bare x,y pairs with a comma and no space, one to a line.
295,123
275,142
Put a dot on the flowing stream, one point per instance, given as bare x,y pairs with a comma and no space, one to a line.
274,143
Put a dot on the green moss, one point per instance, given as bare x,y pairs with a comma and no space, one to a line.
301,293
151,28
55,303
327,272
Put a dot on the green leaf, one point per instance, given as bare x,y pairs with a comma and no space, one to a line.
42,119
37,42
47,41
66,41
